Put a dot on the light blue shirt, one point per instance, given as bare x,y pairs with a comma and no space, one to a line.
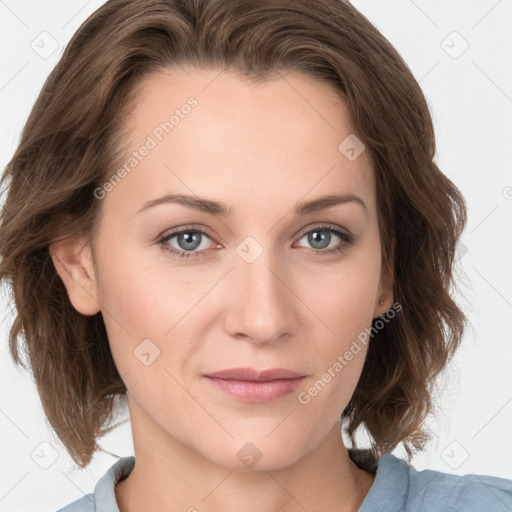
397,487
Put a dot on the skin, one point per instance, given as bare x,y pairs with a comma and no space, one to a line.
260,149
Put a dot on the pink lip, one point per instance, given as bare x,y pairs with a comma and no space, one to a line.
252,385
252,374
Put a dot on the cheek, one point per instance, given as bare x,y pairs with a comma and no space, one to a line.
343,301
131,305
340,331
157,302
133,289
344,296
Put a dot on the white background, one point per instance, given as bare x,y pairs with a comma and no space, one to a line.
470,96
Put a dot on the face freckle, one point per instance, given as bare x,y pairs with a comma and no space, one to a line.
261,294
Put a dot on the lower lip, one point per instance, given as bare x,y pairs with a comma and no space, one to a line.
256,391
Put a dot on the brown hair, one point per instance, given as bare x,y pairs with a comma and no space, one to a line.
72,139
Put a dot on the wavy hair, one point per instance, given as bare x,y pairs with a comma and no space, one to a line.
72,140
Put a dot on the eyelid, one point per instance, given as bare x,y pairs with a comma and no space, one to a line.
323,225
185,228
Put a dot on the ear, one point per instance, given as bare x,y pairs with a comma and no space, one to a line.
384,299
73,261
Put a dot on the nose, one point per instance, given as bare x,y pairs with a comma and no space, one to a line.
263,307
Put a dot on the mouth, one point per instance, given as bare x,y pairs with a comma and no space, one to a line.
252,385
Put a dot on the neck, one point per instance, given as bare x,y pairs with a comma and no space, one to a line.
170,476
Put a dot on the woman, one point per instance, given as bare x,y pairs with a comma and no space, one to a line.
228,215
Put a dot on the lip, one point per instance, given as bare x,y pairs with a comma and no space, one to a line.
253,374
253,385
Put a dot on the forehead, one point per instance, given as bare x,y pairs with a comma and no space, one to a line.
214,131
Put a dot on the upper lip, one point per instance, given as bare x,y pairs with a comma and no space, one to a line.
253,374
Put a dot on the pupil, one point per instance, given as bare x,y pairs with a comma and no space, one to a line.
190,240
323,236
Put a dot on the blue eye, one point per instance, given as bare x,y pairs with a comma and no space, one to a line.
190,240
319,235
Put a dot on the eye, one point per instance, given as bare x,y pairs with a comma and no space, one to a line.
190,243
321,237
188,240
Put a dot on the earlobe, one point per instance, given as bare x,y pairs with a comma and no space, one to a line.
385,296
73,261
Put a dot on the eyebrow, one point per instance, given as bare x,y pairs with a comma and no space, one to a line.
221,209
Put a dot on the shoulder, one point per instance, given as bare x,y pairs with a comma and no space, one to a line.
103,498
445,492
460,493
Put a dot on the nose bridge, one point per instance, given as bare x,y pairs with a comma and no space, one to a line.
263,305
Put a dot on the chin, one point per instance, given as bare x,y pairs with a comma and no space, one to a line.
258,454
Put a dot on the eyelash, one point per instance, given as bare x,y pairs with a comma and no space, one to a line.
347,239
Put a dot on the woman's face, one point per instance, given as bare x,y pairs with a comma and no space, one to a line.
261,283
